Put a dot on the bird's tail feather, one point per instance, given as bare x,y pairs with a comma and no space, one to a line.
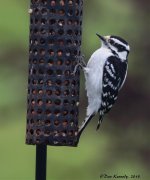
85,123
99,123
101,115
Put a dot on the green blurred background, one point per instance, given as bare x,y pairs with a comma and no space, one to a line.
122,144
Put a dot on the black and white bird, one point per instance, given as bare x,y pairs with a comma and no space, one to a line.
105,74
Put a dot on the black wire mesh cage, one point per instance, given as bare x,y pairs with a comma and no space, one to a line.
53,92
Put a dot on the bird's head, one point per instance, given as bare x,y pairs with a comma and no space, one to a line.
116,44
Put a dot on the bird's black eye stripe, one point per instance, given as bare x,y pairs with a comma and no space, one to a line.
111,42
120,47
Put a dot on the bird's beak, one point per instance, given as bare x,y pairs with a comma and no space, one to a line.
102,38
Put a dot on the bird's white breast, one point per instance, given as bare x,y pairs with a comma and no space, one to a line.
94,77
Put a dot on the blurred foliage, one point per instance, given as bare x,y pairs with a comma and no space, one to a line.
122,144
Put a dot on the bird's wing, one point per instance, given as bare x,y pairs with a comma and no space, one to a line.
113,78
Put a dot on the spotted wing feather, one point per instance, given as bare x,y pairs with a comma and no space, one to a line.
113,78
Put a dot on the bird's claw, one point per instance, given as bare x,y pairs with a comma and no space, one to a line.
80,63
80,60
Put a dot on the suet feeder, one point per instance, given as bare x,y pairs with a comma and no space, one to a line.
53,92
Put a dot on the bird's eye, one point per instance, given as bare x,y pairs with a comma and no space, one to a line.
111,41
122,47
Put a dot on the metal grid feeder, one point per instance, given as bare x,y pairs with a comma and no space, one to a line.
53,92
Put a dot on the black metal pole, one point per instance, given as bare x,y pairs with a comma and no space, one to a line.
41,157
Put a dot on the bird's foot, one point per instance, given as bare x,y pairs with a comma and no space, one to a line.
81,60
80,63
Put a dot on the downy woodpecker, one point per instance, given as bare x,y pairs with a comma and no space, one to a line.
105,74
